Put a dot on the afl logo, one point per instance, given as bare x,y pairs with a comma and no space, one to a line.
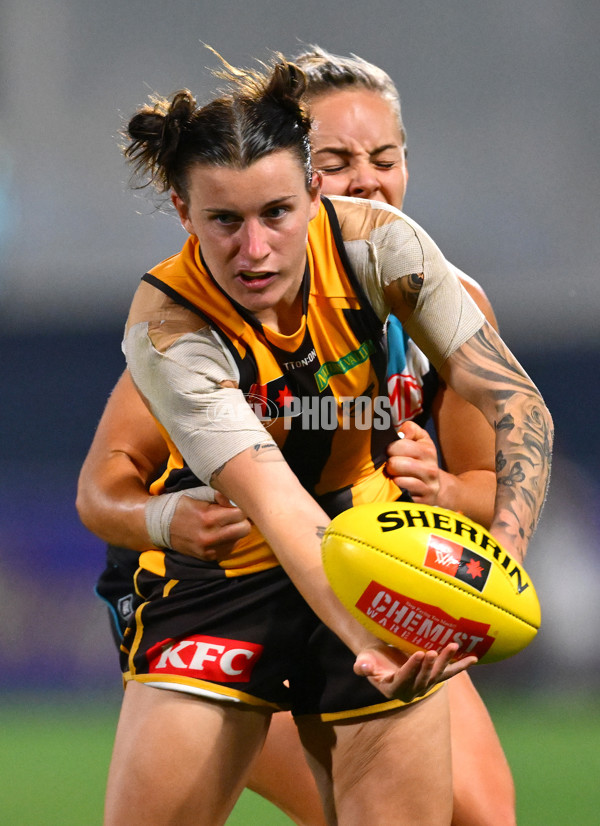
233,414
263,408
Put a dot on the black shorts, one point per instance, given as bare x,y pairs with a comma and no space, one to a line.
115,587
251,639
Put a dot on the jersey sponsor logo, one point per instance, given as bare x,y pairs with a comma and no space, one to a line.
423,625
406,397
343,364
299,363
206,658
458,562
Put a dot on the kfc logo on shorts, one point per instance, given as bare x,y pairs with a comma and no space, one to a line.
456,561
205,658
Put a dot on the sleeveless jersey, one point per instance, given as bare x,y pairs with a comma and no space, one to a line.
321,392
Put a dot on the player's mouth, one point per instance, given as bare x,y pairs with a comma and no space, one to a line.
256,280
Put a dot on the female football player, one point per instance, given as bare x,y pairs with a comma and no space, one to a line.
248,307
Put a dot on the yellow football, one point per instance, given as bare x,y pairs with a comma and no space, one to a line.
420,577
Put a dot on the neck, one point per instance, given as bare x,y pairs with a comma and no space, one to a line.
285,318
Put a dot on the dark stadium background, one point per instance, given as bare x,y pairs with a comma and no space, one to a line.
501,107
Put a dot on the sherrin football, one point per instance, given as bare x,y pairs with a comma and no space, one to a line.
420,577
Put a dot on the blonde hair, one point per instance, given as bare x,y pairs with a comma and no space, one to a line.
326,72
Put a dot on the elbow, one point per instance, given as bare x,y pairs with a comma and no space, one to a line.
87,502
83,505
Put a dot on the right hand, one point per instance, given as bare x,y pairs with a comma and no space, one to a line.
412,464
405,678
207,530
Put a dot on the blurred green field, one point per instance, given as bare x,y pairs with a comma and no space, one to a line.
54,758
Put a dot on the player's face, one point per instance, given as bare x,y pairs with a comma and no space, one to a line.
357,146
252,225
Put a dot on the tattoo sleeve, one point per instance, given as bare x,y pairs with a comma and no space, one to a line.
485,372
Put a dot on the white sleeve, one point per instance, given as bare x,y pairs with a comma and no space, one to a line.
208,422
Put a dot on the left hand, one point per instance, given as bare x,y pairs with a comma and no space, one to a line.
207,530
405,678
413,464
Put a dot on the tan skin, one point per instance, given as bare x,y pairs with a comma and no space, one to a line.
250,240
251,225
359,150
127,447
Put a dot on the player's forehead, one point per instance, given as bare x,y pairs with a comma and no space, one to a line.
276,177
347,119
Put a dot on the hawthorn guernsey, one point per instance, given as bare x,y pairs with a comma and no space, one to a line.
420,577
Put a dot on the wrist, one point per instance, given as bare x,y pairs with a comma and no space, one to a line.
159,511
448,490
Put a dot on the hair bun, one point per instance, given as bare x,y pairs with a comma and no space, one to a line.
176,119
286,87
181,109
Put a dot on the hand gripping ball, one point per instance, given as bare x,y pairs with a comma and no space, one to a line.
420,577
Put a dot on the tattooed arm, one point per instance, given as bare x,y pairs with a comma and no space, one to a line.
484,372
401,269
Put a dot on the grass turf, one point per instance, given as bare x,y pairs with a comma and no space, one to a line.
54,757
